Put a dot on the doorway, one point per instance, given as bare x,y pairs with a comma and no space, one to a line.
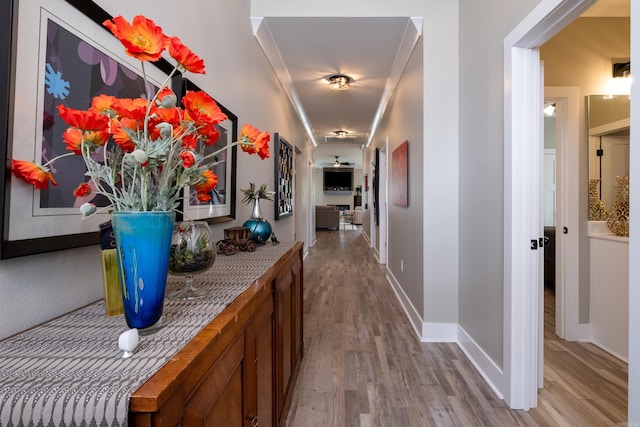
522,279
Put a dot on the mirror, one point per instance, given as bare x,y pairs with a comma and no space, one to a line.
608,124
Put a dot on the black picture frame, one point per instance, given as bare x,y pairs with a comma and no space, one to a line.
58,234
212,212
376,186
283,163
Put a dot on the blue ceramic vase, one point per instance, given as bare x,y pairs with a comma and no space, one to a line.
143,243
259,227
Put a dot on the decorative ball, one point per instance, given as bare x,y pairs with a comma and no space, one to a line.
260,228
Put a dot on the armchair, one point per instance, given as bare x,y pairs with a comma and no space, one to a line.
327,217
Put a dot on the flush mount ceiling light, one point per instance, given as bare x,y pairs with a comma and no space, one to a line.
341,133
339,82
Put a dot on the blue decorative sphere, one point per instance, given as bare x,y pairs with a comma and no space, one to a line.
260,228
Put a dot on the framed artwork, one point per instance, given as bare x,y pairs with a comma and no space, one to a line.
63,55
222,206
400,175
283,177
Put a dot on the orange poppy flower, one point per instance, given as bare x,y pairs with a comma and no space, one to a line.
208,134
202,108
185,57
203,197
188,158
208,181
253,141
102,103
262,145
189,140
72,137
142,39
250,132
121,137
131,108
82,190
84,120
36,175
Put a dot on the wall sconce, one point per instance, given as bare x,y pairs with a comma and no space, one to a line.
550,110
622,69
339,82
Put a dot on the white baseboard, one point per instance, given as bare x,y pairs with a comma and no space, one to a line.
366,238
426,331
492,374
412,314
450,332
439,332
608,350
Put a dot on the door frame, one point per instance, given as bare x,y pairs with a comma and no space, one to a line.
383,202
522,109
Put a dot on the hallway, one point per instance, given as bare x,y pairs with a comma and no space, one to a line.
364,366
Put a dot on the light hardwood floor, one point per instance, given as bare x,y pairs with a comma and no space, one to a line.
364,366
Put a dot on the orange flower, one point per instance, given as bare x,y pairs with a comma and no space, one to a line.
73,138
208,134
202,108
82,190
189,140
36,175
131,108
95,137
250,132
203,197
84,120
120,135
253,141
262,145
142,39
188,158
185,57
102,103
208,181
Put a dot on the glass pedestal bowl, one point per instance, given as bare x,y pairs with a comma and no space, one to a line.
192,252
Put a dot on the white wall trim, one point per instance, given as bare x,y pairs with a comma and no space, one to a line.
412,314
439,332
365,236
492,374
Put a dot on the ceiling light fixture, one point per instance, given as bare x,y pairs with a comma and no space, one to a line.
341,133
339,82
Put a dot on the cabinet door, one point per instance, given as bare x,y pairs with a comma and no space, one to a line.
296,312
218,399
259,368
283,336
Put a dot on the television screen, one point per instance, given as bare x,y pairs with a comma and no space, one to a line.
338,179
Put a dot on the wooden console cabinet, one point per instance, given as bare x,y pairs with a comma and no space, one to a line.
241,368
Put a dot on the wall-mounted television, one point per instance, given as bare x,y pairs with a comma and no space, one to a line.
337,179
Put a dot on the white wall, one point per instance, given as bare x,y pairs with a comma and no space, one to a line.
38,288
483,28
